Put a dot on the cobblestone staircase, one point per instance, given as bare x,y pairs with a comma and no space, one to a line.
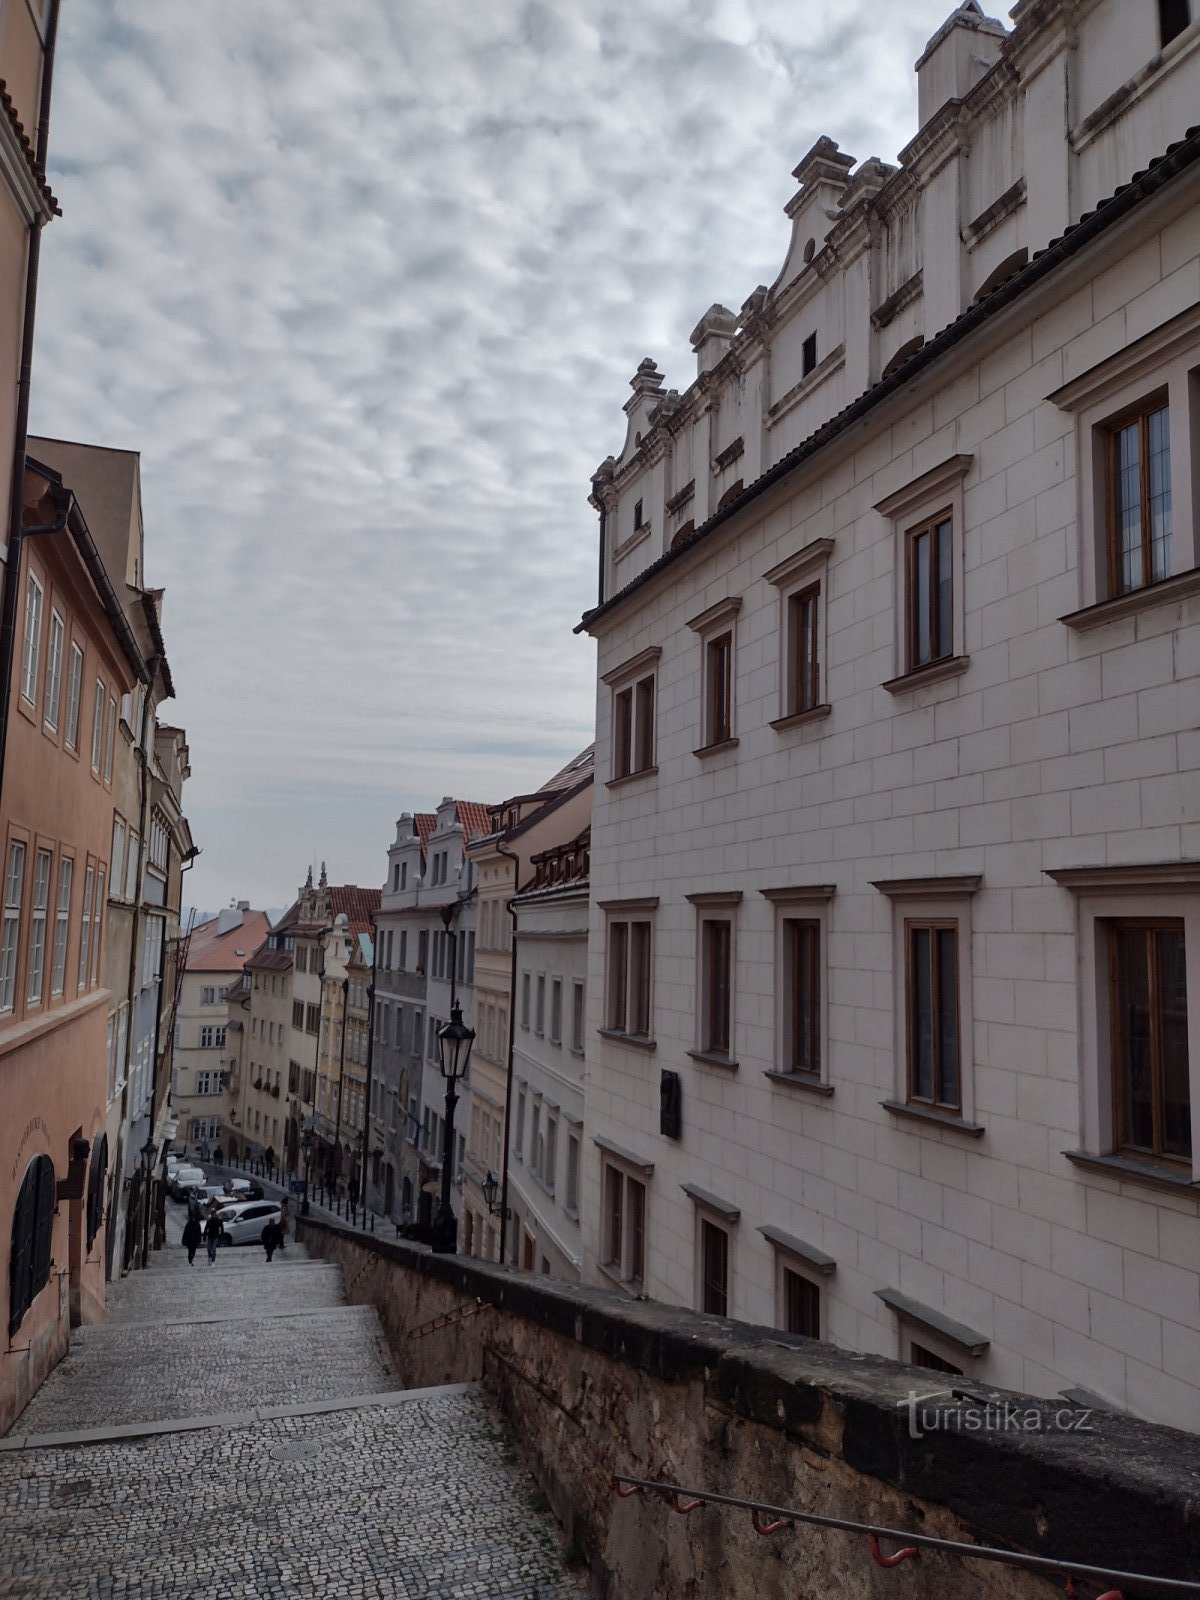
235,1430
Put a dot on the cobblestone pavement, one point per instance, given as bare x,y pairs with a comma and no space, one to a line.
400,1497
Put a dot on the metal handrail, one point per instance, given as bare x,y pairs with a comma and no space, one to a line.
925,1541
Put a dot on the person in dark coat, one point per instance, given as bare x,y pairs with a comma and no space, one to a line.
212,1235
272,1238
191,1237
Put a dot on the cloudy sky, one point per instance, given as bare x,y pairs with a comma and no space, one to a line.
364,281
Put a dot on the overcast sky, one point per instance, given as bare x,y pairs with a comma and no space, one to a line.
365,281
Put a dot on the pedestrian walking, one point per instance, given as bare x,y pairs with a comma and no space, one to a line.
272,1238
284,1221
191,1238
212,1235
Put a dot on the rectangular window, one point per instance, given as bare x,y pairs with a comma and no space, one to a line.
1139,498
14,885
297,1014
62,923
802,1019
31,647
74,695
536,1151
714,1269
42,864
118,856
629,977
804,663
131,867
718,689
212,1038
1148,989
312,1019
717,959
110,739
98,926
930,592
519,1131
577,1016
52,699
422,949
404,875
920,1355
98,728
808,355
539,1025
85,927
572,1197
403,950
556,1010
550,1158
624,1226
933,1031
633,728
526,986
801,1305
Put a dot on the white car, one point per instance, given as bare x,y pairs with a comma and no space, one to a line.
186,1179
244,1222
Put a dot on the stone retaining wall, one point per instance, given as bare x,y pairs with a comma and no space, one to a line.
596,1384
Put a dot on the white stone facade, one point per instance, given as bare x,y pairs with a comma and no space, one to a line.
1027,783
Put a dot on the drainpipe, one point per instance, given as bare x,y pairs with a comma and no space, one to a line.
8,606
512,1025
600,582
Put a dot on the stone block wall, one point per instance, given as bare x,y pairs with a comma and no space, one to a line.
595,1384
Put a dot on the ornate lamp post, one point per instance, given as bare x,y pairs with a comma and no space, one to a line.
490,1190
454,1043
148,1152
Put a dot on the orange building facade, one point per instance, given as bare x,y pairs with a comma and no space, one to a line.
75,657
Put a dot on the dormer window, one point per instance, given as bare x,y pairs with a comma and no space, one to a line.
808,355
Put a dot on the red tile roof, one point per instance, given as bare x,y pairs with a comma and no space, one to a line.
210,950
39,176
473,817
425,822
358,905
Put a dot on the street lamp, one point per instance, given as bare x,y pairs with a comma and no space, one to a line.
490,1189
454,1044
148,1152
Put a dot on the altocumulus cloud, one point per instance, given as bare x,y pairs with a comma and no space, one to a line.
364,283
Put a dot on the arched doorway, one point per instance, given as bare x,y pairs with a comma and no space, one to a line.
32,1231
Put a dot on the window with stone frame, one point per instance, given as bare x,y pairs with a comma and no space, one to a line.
927,521
1137,448
802,581
623,1241
630,969
1149,1039
31,642
717,630
14,888
932,924
1136,416
714,1268
634,693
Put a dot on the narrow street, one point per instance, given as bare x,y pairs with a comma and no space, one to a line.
244,1425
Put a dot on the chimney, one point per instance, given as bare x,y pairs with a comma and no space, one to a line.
967,45
228,920
243,905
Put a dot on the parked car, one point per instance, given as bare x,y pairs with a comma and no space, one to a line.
185,1180
244,1223
244,1189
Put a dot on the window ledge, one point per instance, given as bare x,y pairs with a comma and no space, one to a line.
1137,600
636,1041
938,1119
935,672
711,1058
713,749
800,719
627,1286
801,1080
1130,1169
631,777
634,539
